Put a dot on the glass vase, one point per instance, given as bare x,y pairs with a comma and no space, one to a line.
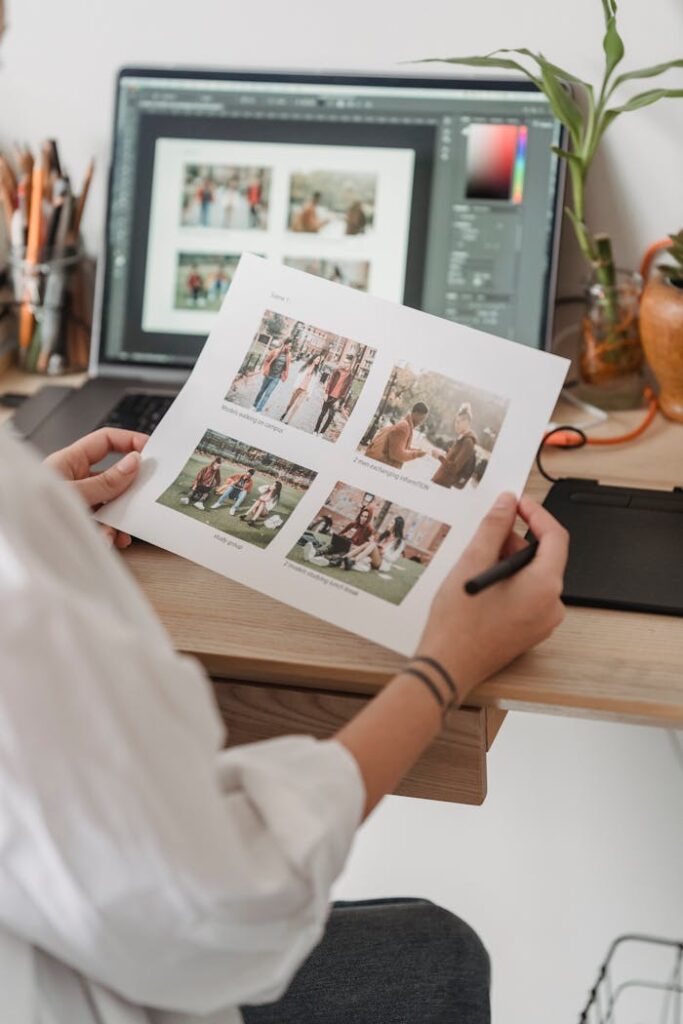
611,360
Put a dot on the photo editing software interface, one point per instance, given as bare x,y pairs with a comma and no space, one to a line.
441,198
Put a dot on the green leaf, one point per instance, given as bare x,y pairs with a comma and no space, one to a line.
488,61
651,72
566,155
563,106
609,9
644,99
613,46
555,68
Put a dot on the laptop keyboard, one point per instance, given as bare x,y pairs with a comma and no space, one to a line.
138,411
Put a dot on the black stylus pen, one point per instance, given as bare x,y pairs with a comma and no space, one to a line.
503,570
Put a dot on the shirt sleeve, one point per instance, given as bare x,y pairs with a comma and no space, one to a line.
134,848
398,450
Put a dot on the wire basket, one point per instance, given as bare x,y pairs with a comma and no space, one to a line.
653,995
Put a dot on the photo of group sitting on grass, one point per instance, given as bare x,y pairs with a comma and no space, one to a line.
238,489
370,543
434,429
302,375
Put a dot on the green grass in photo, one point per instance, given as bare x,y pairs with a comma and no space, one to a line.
220,518
392,587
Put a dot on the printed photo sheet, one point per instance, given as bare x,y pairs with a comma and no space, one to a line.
337,451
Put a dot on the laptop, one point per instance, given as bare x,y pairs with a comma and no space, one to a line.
440,193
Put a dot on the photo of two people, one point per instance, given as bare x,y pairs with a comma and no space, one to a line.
302,375
332,204
238,489
225,196
203,279
435,429
370,543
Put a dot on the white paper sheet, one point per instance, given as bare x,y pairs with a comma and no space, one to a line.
309,347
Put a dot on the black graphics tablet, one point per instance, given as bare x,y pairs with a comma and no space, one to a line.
626,546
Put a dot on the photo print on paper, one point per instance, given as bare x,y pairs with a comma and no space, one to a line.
369,543
202,280
225,196
436,430
332,204
238,489
302,375
354,273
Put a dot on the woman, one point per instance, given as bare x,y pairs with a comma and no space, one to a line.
361,531
266,502
150,876
380,554
356,220
302,383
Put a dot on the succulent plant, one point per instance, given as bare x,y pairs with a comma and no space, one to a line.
674,271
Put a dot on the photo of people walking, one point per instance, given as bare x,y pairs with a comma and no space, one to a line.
203,279
332,204
224,196
435,429
238,489
302,375
369,543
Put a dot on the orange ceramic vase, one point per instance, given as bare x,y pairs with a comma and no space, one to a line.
661,332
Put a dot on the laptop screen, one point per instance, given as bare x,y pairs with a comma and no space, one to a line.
440,194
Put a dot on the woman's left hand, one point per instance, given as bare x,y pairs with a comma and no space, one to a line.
96,489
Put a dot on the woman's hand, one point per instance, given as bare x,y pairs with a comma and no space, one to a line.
472,637
475,636
75,465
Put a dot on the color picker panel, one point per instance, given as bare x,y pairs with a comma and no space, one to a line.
496,161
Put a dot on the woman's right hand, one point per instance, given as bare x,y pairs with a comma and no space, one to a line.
475,636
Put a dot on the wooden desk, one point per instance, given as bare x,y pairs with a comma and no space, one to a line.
301,674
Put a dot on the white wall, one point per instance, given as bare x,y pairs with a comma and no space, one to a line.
59,60
582,833
578,841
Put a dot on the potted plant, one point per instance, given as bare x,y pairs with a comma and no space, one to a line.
611,344
661,323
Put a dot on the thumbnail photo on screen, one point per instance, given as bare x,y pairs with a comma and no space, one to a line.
437,430
238,489
202,280
370,543
354,273
225,196
302,375
332,204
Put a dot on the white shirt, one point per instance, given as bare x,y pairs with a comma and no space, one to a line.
140,864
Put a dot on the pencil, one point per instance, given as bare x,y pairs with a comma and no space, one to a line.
7,205
80,204
7,176
502,570
35,227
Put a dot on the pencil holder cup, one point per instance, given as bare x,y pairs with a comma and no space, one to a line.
51,301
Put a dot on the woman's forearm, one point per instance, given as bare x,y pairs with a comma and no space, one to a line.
387,737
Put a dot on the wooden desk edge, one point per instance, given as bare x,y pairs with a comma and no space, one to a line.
491,695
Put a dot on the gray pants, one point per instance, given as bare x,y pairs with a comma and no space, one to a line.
387,962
